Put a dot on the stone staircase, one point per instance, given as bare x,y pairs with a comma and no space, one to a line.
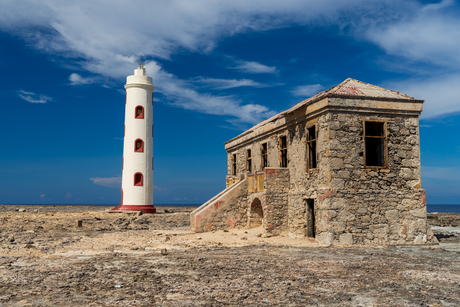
225,210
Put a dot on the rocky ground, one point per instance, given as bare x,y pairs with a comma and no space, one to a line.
446,226
119,259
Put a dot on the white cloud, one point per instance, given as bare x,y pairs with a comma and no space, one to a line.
68,196
441,94
307,90
228,83
34,98
429,33
76,79
110,44
443,173
179,93
110,182
158,189
42,196
254,68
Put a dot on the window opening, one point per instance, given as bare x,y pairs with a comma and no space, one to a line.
138,179
139,145
283,152
264,154
234,165
249,161
311,147
375,144
139,112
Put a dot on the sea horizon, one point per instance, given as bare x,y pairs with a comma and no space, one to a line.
431,208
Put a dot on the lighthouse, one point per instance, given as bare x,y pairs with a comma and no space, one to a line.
137,178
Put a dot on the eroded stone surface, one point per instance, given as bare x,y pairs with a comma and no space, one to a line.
46,260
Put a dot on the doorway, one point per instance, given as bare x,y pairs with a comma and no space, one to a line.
310,218
256,214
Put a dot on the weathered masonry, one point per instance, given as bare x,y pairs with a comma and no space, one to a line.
342,166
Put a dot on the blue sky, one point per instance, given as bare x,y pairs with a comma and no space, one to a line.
219,67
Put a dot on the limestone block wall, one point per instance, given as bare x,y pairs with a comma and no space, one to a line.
368,205
372,217
304,182
275,205
353,204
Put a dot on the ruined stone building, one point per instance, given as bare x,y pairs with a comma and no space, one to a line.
342,166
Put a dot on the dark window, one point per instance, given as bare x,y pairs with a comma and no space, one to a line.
139,112
264,154
138,179
249,161
234,165
375,144
283,152
311,147
139,145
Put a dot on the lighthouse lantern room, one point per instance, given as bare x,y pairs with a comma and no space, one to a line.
137,178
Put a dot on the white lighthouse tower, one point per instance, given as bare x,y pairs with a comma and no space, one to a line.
137,179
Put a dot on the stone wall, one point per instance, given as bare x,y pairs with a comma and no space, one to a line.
352,204
275,205
368,205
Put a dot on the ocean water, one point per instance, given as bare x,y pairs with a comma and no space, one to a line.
429,208
443,208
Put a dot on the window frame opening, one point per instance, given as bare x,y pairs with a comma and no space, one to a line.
138,148
284,162
312,147
234,164
138,179
375,141
141,115
249,160
264,155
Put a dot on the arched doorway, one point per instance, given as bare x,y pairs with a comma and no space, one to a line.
256,214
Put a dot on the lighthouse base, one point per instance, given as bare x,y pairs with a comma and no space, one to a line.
144,208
